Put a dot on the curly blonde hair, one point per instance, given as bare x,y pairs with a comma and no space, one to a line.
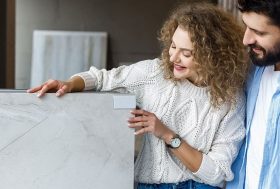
218,50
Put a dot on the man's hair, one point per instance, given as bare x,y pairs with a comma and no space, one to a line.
269,8
218,50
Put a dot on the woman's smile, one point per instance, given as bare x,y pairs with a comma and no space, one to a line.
178,67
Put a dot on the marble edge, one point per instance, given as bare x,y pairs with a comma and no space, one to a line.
83,92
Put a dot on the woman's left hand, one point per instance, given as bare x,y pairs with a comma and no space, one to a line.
145,121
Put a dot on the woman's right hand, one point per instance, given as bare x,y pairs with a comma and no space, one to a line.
60,87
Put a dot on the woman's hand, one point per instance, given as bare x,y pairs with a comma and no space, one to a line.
75,84
60,87
145,122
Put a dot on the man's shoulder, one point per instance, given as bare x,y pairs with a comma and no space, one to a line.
255,73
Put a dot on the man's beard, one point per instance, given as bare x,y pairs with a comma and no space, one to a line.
270,57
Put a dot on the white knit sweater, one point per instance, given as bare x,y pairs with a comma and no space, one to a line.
186,110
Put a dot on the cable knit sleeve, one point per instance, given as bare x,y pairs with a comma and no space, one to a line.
216,164
122,79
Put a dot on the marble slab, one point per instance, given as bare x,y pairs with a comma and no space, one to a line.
78,141
60,54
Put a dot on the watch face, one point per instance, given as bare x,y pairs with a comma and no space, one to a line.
175,143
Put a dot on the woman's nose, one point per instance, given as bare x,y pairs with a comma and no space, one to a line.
174,57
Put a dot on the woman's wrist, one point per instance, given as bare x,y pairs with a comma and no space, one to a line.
75,84
167,136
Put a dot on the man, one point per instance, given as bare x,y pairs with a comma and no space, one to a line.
258,163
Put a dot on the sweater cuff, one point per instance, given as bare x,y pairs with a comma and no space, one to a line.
89,80
209,171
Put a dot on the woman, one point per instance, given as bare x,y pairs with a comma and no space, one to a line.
191,100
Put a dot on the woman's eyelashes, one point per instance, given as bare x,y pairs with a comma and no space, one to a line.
187,54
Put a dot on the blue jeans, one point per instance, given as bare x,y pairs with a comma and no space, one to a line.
189,184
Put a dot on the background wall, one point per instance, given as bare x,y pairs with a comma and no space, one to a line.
132,27
3,42
7,42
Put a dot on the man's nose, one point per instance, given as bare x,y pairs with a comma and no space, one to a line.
249,37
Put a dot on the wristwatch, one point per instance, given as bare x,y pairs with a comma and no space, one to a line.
175,142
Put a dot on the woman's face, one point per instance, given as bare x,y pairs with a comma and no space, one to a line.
181,55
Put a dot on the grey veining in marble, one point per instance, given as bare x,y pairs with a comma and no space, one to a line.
78,141
60,54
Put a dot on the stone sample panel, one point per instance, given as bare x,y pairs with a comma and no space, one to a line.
78,141
60,54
